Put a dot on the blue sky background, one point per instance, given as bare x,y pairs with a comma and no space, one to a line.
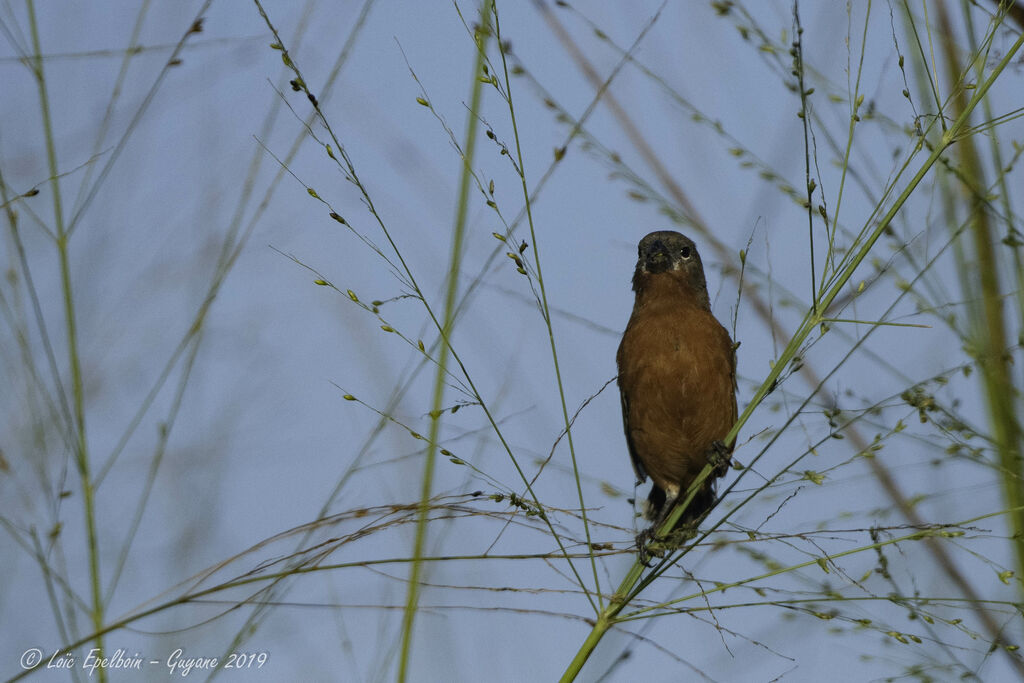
262,435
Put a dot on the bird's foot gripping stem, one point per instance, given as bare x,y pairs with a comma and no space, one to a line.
648,545
719,456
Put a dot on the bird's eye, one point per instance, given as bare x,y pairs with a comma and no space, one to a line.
686,253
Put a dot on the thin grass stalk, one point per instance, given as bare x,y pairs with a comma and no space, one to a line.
545,308
96,612
455,260
809,183
856,99
86,199
812,319
933,91
115,95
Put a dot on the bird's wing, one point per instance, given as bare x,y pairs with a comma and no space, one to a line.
638,468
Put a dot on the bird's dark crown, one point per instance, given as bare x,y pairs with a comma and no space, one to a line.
671,255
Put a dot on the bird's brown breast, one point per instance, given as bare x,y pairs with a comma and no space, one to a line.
676,374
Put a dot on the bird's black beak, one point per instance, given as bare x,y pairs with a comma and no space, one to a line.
657,259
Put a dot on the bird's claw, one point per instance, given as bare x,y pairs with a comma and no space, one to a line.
647,543
719,456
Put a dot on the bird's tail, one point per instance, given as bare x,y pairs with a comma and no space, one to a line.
658,506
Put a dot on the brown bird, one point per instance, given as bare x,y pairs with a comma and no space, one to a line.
677,377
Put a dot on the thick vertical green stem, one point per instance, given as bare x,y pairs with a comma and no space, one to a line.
458,234
988,321
626,590
78,394
604,622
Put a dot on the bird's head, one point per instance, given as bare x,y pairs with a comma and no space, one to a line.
670,257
